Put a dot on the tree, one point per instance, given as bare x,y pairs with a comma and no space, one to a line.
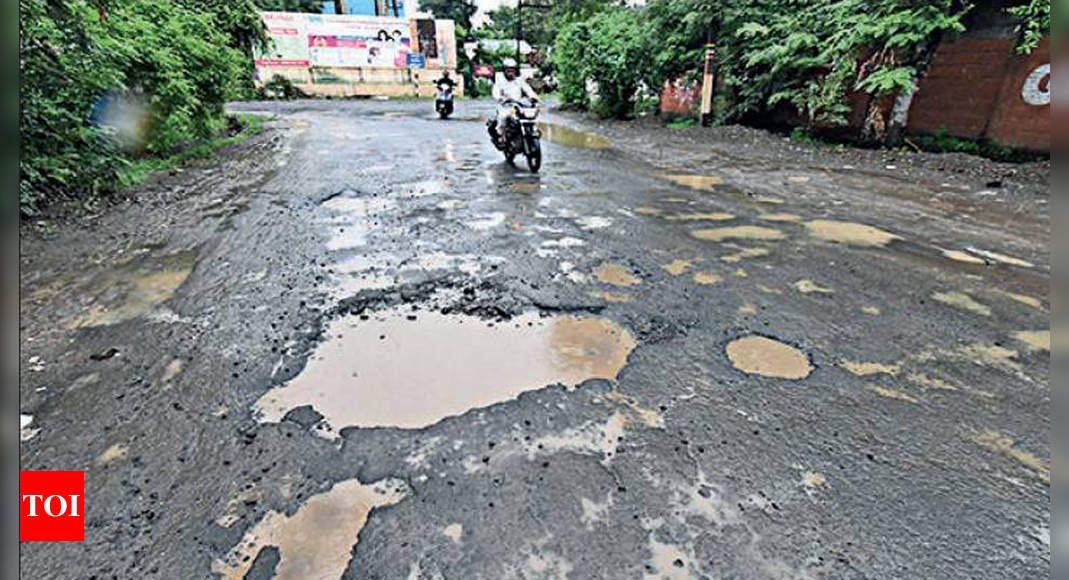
610,49
805,54
312,6
178,57
459,11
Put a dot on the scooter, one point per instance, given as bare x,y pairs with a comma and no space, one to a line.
443,101
520,135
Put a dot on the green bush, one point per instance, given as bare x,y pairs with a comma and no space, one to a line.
806,54
181,58
610,50
1033,18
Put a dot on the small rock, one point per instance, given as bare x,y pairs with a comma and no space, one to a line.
105,355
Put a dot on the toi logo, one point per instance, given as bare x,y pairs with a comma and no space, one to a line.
51,506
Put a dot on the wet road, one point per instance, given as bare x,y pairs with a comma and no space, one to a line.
365,347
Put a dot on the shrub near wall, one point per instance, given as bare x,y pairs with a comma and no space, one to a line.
75,56
610,50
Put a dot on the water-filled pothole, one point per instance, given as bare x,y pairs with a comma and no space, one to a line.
412,369
760,355
573,137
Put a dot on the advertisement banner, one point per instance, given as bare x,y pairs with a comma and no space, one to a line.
339,40
289,40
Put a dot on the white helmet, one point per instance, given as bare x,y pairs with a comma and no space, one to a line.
509,63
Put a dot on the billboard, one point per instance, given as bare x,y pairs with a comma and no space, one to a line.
348,41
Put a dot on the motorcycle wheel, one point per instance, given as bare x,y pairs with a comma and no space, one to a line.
534,154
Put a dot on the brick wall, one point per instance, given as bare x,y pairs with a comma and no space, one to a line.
973,89
680,100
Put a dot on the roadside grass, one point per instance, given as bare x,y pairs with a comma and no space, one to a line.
682,123
139,169
804,137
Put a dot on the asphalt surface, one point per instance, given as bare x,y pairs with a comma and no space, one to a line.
891,422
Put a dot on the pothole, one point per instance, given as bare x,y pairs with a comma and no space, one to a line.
738,233
573,137
408,369
849,233
699,182
317,541
760,355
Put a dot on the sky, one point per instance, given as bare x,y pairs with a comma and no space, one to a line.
486,6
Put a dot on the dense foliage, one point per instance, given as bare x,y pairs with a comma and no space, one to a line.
807,54
1034,23
312,6
170,65
796,57
609,50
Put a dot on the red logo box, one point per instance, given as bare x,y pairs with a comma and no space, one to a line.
51,506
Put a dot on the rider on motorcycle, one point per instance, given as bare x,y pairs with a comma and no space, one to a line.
509,89
445,80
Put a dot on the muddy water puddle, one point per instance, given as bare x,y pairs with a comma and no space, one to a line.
412,369
849,233
573,137
317,541
738,233
134,289
698,182
760,355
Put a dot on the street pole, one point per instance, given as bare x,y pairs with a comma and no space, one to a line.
706,116
519,28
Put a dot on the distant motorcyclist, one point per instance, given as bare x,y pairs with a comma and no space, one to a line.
511,88
446,80
443,100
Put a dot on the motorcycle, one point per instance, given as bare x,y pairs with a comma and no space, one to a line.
520,135
443,101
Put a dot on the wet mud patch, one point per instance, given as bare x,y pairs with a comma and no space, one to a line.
133,289
318,540
1005,445
767,357
616,274
963,301
411,369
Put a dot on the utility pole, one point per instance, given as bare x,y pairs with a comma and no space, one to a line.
706,114
519,28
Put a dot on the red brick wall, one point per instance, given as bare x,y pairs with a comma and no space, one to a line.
973,89
680,100
1015,121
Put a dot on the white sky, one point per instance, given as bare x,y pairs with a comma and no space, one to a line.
486,6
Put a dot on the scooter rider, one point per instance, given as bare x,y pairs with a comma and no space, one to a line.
509,89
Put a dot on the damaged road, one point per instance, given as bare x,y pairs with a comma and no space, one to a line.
361,346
